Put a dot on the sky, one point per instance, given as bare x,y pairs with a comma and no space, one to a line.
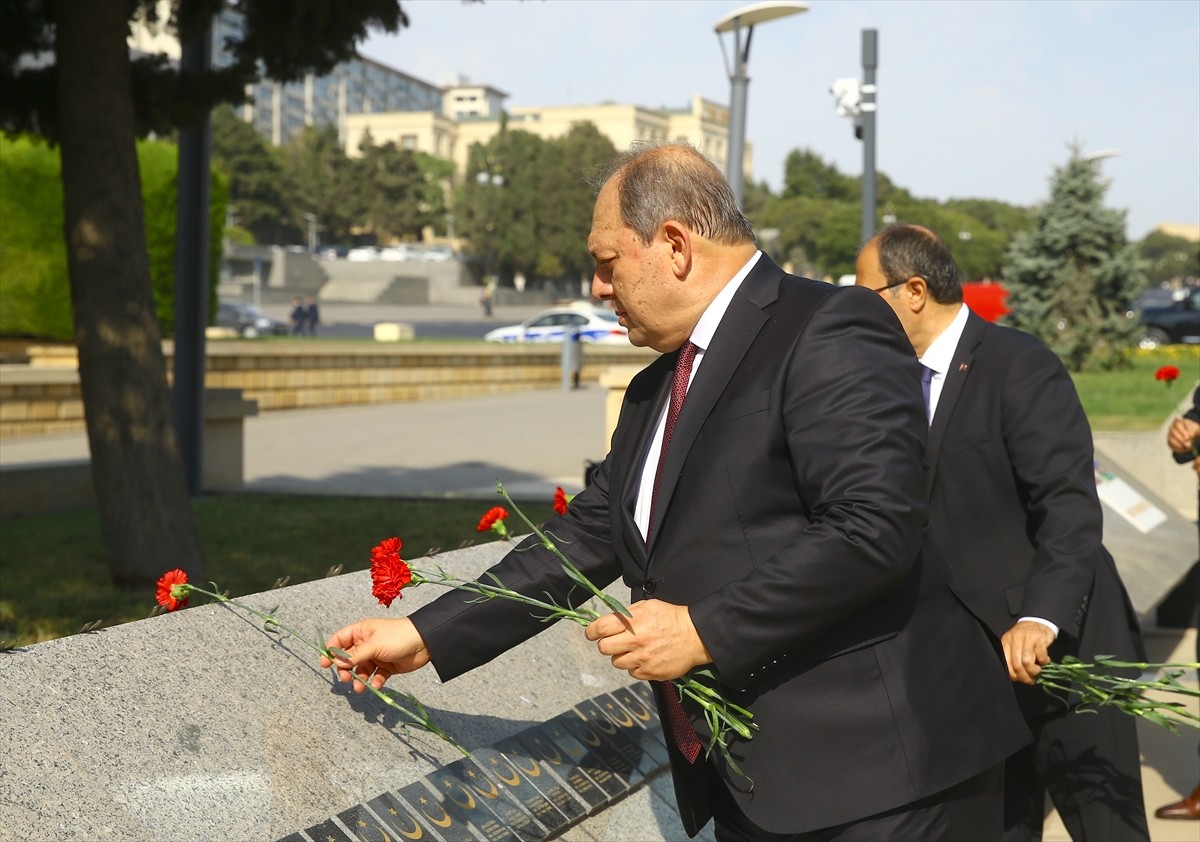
978,99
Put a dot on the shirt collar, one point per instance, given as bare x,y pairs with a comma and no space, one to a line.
702,333
940,352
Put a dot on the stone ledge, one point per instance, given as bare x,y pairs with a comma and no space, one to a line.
201,723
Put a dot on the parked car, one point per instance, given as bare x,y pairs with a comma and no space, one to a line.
248,320
594,324
1178,321
362,254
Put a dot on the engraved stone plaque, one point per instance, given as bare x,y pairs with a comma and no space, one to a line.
538,772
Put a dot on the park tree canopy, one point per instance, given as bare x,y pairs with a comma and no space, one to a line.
68,76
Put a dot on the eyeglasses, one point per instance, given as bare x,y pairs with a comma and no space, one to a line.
899,283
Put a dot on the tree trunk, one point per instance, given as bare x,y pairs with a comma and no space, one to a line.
145,514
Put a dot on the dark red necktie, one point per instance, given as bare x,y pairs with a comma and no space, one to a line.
679,387
677,724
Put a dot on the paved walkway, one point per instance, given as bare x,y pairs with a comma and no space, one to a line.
532,442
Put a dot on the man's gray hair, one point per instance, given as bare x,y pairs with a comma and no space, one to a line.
660,181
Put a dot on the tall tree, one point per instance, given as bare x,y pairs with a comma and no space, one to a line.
1071,277
570,162
93,101
393,191
256,200
320,182
1169,257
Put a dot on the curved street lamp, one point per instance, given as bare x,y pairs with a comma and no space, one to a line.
741,21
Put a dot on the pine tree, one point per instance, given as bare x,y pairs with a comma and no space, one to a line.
1071,277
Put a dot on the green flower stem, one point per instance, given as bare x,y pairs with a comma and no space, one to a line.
614,604
1097,688
272,624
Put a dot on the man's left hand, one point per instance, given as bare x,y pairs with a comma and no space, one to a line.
658,643
1026,647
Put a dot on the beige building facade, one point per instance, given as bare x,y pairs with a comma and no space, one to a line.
472,114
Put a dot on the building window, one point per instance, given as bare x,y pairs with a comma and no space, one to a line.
408,141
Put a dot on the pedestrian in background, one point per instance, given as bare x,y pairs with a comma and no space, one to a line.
312,316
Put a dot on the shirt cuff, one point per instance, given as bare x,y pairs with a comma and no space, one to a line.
1045,623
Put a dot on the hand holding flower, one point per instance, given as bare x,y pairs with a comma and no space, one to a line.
374,650
1026,649
657,643
1183,436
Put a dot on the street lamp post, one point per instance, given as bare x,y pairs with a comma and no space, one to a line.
741,22
489,181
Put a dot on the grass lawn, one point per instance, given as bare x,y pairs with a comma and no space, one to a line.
251,541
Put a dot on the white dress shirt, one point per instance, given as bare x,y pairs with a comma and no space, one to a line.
701,337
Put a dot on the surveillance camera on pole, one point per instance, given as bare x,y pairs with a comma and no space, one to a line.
847,101
856,100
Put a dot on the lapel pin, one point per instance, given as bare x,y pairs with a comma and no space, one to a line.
962,366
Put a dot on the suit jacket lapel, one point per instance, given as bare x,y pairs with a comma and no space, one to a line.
740,325
952,387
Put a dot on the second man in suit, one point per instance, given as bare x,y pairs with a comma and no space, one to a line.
1013,507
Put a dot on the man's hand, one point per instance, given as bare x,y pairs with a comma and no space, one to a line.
1182,435
383,646
658,643
1026,647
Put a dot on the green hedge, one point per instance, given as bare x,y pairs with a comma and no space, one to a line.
35,298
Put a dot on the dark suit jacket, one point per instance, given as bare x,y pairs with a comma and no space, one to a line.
790,521
1013,500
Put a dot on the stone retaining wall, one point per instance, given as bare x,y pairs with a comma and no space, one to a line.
43,396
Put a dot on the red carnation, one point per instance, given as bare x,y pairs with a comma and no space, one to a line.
560,501
173,589
389,573
1168,373
493,519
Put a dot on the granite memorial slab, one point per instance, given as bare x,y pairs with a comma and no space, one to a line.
520,788
400,821
646,758
541,746
200,721
539,773
450,821
604,746
468,786
585,758
1152,544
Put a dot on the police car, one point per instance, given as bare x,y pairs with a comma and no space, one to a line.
594,324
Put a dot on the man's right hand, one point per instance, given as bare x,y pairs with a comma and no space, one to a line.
383,646
1182,435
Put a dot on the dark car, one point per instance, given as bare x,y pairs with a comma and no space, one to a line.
1178,321
248,320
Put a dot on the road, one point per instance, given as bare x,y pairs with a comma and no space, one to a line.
429,321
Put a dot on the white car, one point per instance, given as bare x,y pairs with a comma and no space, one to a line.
594,324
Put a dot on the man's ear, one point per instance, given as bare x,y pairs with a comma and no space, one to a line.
677,236
915,294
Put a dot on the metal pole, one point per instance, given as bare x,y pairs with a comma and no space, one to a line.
191,273
738,84
870,60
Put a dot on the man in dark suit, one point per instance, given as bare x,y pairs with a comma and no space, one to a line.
777,542
1013,505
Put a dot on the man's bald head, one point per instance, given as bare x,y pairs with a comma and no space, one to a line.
656,183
